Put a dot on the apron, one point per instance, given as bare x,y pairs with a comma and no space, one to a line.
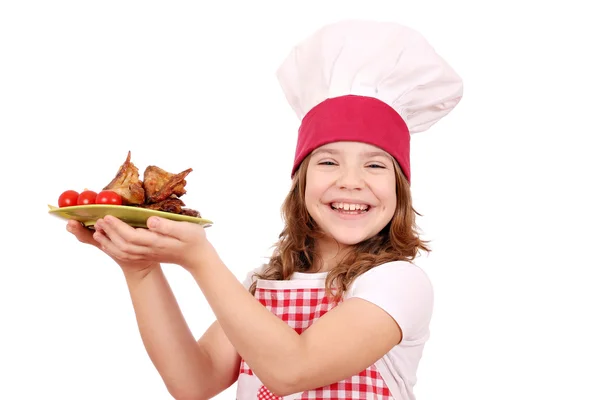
300,303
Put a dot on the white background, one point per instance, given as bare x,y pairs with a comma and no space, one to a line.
506,183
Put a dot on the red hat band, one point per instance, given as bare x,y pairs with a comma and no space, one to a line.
355,119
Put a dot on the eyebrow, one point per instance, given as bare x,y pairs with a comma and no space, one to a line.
366,153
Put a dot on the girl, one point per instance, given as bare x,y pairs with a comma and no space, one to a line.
340,311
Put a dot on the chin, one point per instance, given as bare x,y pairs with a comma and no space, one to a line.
349,237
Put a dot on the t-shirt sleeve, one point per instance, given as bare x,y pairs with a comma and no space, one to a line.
251,277
401,289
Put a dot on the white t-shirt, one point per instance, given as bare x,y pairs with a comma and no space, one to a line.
404,291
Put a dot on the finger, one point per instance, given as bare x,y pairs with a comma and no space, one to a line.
179,230
121,238
83,234
140,236
110,248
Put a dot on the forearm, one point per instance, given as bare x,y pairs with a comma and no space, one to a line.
166,336
269,345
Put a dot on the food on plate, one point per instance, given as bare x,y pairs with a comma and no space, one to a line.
162,190
160,185
173,205
71,198
190,212
86,197
127,184
68,198
159,190
109,197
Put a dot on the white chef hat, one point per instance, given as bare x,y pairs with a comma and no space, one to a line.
368,81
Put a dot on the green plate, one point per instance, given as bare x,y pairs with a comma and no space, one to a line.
134,216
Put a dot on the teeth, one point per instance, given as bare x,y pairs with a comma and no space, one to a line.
349,207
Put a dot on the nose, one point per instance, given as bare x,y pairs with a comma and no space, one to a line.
350,179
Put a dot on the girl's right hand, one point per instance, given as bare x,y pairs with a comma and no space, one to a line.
132,269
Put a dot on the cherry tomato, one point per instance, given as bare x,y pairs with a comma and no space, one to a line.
68,198
108,197
86,197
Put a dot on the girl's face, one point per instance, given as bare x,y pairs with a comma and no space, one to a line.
350,190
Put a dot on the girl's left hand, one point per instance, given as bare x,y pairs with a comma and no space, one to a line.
164,241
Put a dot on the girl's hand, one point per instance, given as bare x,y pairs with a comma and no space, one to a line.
85,235
164,241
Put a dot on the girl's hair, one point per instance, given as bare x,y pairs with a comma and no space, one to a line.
294,252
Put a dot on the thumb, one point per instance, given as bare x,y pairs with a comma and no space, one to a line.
167,227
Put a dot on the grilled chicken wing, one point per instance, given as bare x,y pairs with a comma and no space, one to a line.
128,184
172,205
190,212
160,184
160,190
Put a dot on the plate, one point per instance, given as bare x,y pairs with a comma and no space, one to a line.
134,216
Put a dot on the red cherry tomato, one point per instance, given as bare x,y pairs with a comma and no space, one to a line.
86,197
109,197
68,198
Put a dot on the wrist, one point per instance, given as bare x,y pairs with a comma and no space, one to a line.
203,257
138,275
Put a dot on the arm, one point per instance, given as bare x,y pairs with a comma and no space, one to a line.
337,346
389,308
190,369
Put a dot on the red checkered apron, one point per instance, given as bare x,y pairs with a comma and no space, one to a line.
300,308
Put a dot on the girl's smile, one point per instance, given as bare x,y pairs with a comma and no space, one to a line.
350,209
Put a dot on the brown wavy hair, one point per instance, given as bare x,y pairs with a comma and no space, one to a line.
295,249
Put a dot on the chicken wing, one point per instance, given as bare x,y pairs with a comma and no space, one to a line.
128,184
172,205
190,212
160,184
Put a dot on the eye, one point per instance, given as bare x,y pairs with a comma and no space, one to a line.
326,163
372,165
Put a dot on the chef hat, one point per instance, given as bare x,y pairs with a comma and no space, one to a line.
366,81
